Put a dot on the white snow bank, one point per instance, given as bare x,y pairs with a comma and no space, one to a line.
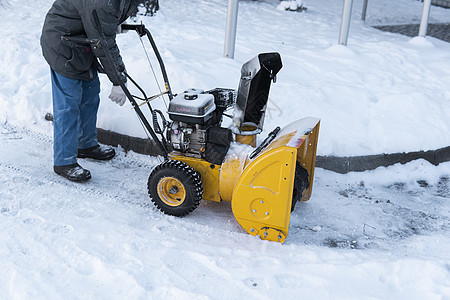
383,93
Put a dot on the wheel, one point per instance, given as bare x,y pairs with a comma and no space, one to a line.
301,183
175,188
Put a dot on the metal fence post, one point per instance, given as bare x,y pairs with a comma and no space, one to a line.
345,24
230,34
364,11
425,16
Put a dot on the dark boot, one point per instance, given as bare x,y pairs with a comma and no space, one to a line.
73,172
97,152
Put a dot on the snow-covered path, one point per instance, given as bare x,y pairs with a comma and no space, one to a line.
378,234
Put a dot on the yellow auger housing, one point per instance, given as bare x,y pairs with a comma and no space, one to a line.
261,189
263,194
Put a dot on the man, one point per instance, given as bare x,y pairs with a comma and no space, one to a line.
75,83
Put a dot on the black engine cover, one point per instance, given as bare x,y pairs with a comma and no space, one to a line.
218,143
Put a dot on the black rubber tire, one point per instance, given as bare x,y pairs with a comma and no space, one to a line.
182,173
301,183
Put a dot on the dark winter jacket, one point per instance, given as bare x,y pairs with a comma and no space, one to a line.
75,18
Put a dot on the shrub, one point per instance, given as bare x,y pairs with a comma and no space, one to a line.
147,8
292,5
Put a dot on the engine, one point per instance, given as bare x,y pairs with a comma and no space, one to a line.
196,117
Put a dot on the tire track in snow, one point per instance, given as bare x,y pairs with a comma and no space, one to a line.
358,216
122,180
38,169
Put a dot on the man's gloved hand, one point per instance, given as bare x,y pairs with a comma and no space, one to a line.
119,29
117,95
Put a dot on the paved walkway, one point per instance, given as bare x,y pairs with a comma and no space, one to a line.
440,30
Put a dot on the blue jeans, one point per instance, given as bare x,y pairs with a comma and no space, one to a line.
75,106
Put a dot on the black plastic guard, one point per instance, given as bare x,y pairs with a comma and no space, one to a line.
219,140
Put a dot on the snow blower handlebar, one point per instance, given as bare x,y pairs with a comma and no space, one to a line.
141,31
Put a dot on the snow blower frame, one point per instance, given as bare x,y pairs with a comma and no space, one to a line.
263,186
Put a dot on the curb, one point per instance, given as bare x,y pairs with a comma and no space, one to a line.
138,145
336,164
437,30
347,164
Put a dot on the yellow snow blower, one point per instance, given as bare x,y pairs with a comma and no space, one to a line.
204,160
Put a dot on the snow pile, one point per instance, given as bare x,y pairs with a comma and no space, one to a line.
383,93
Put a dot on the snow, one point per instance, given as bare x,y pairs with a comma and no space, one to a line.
378,234
384,93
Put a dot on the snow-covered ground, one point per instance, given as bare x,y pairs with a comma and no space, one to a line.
382,234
